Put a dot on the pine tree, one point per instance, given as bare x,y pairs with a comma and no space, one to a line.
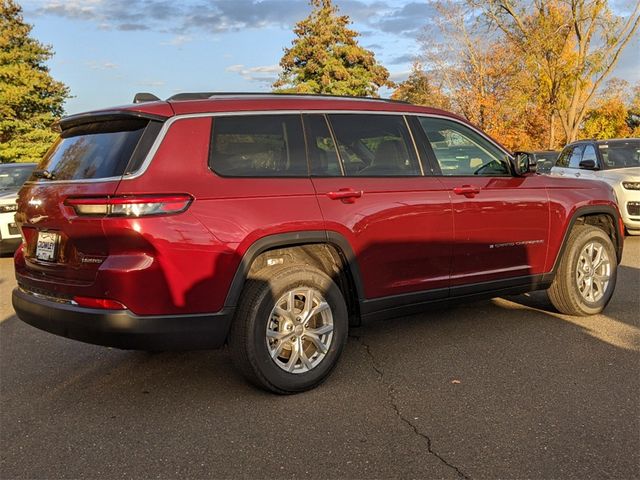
325,57
30,99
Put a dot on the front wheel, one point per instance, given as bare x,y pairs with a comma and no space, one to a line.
290,329
586,276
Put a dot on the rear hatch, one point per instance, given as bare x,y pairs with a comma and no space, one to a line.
92,155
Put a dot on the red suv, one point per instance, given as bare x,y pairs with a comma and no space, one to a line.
274,222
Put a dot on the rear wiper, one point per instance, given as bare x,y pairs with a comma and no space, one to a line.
46,174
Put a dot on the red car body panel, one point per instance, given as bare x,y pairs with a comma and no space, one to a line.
408,234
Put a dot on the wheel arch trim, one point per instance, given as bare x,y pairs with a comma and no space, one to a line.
608,210
292,239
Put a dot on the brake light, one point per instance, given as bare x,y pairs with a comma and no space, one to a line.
129,206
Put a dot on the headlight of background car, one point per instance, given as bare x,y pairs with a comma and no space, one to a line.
631,185
13,208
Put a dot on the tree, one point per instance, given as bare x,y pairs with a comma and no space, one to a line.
612,113
586,41
482,76
30,99
325,57
421,89
633,117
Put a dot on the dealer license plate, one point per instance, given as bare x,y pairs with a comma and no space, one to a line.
47,246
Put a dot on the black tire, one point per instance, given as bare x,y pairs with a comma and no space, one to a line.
247,339
564,292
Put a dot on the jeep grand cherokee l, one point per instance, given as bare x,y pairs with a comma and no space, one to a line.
275,222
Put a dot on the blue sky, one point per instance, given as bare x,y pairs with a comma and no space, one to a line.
107,50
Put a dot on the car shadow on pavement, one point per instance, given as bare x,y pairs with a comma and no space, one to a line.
478,376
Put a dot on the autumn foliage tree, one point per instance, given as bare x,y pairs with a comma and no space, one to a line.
572,46
422,88
325,57
530,73
612,113
30,99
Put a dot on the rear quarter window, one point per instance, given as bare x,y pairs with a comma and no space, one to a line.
258,146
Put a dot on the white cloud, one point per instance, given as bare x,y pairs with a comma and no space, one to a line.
399,76
95,65
178,41
152,83
263,73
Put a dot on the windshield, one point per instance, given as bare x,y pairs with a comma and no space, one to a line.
13,176
621,154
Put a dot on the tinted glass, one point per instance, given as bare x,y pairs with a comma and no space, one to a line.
374,145
461,151
96,150
563,159
258,146
12,176
321,147
621,154
576,157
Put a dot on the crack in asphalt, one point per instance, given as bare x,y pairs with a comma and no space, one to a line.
391,394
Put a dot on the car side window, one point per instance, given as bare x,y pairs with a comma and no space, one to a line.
462,152
374,145
258,146
320,147
590,154
576,157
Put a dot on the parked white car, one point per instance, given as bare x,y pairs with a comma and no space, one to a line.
616,162
12,176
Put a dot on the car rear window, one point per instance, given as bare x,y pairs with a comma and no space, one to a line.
99,150
258,146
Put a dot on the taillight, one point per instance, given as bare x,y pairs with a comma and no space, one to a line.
129,206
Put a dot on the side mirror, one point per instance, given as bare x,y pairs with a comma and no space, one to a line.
523,163
588,165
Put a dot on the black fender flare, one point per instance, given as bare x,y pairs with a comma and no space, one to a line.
292,239
580,212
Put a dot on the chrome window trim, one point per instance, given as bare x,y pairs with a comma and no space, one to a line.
170,121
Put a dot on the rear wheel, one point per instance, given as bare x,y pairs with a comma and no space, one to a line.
586,276
290,329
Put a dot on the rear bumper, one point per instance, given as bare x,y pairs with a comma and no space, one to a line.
121,328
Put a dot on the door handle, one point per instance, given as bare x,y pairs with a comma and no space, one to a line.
347,195
468,191
577,174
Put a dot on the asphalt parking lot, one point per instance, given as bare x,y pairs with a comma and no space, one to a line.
503,388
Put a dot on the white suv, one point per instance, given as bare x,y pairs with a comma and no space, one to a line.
12,176
616,162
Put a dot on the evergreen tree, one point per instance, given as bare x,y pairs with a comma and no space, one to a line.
30,99
325,57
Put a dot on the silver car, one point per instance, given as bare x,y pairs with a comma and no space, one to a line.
12,176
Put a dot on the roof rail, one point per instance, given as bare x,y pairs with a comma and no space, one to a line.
213,95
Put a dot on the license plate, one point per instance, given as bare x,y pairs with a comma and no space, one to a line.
47,246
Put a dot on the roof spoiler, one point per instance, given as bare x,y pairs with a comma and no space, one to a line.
142,97
104,116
